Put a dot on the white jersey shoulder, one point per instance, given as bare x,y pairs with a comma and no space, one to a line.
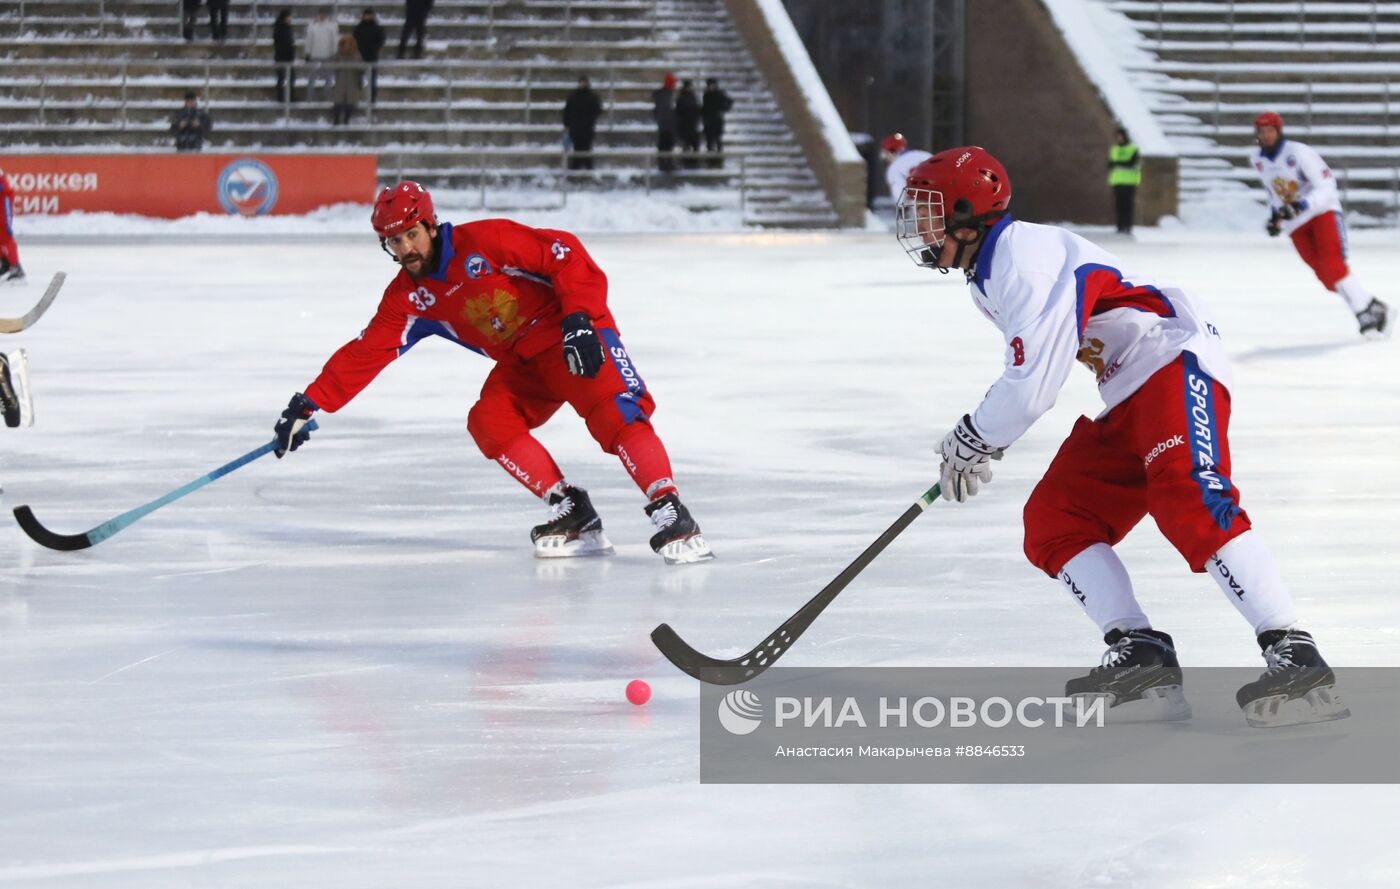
1294,173
1058,299
897,173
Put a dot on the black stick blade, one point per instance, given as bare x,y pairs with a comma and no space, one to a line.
713,670
44,537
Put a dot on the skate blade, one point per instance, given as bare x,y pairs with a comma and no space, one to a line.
589,543
687,551
1163,703
19,369
1322,704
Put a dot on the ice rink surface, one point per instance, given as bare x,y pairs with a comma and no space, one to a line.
345,669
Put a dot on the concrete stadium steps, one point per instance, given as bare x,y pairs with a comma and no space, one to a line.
1330,67
107,75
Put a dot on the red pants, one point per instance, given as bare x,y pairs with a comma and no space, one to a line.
1322,242
1163,451
9,251
519,396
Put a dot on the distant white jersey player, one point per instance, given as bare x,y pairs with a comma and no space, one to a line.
1160,447
1304,202
899,160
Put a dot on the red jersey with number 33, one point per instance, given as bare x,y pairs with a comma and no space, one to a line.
500,288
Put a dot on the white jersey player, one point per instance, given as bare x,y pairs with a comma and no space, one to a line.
1303,201
1160,447
899,160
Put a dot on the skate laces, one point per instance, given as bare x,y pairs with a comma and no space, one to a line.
1117,653
664,516
561,509
1279,656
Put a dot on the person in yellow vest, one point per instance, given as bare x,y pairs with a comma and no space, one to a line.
1124,175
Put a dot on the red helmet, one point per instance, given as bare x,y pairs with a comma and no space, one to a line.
894,143
957,188
400,207
1269,119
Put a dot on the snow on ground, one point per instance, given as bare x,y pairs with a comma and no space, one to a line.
344,669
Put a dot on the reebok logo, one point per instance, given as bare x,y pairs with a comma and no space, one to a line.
1162,447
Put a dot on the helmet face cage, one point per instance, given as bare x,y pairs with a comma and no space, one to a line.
920,224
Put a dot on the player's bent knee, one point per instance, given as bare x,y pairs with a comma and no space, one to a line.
490,433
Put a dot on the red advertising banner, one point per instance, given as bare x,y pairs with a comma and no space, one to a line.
174,185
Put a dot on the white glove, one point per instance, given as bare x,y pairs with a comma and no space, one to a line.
966,462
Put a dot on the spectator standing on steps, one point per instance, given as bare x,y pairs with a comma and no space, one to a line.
581,112
284,53
369,37
415,22
189,10
322,41
663,100
714,105
1124,177
348,73
191,124
688,122
218,19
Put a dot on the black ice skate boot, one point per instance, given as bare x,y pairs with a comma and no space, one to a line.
574,528
12,274
1297,687
677,539
1140,677
1374,319
9,398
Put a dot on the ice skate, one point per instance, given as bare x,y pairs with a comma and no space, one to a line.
677,539
12,274
1297,687
15,402
1139,676
574,528
1374,319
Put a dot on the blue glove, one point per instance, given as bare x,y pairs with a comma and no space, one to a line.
289,431
583,351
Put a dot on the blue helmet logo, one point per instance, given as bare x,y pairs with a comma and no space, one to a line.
247,187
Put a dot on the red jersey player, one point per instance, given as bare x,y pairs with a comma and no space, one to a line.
10,270
1160,447
533,301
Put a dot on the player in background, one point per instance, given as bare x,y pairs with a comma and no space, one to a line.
534,301
899,159
10,270
1304,202
1160,447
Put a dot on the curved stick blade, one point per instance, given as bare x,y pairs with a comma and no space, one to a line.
701,666
44,537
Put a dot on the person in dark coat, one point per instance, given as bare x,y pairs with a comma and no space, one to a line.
688,122
284,53
218,19
415,21
714,105
369,37
581,112
663,111
189,10
190,125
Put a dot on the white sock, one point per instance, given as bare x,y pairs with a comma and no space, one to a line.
1355,295
1097,578
1249,576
